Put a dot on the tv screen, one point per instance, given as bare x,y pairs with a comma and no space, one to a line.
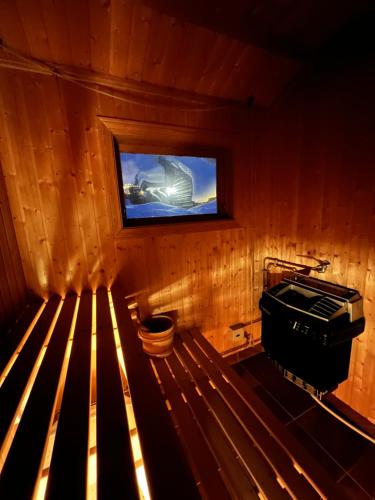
168,186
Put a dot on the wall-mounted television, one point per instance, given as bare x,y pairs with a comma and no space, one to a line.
159,186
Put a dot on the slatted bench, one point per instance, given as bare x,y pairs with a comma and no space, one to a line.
203,432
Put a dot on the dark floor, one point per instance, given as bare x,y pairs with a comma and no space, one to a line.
348,457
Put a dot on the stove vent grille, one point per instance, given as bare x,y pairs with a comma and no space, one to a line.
325,307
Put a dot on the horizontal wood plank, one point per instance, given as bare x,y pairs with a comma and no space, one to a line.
195,445
237,479
296,484
260,471
318,476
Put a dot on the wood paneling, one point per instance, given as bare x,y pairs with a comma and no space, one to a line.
130,40
12,279
62,206
293,27
303,183
313,192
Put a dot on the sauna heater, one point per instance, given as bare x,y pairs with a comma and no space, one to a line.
307,330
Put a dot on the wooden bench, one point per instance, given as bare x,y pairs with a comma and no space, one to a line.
203,432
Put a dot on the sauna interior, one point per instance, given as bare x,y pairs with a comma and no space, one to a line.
284,88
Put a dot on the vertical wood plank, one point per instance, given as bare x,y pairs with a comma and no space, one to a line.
12,283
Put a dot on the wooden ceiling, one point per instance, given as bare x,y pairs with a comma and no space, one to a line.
295,28
225,49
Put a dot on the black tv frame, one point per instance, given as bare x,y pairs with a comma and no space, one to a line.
223,181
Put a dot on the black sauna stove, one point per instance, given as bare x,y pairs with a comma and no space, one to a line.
307,330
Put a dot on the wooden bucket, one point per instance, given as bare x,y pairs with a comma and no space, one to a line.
157,334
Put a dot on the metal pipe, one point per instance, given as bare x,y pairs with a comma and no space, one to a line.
321,266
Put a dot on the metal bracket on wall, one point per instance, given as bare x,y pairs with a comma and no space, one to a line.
272,262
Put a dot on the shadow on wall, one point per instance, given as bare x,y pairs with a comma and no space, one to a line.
205,276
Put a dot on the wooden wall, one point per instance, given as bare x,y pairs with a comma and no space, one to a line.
57,159
313,192
304,183
12,280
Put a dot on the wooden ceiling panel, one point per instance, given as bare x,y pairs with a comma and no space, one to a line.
271,74
161,35
200,45
137,40
309,25
121,15
173,59
228,59
79,32
244,70
218,48
130,40
11,29
100,37
34,28
290,27
56,27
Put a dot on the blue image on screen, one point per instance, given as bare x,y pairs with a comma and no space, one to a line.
168,186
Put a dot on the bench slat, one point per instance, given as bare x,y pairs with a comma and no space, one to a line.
12,338
15,383
167,469
317,474
116,473
260,471
236,477
69,457
28,445
296,483
204,463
